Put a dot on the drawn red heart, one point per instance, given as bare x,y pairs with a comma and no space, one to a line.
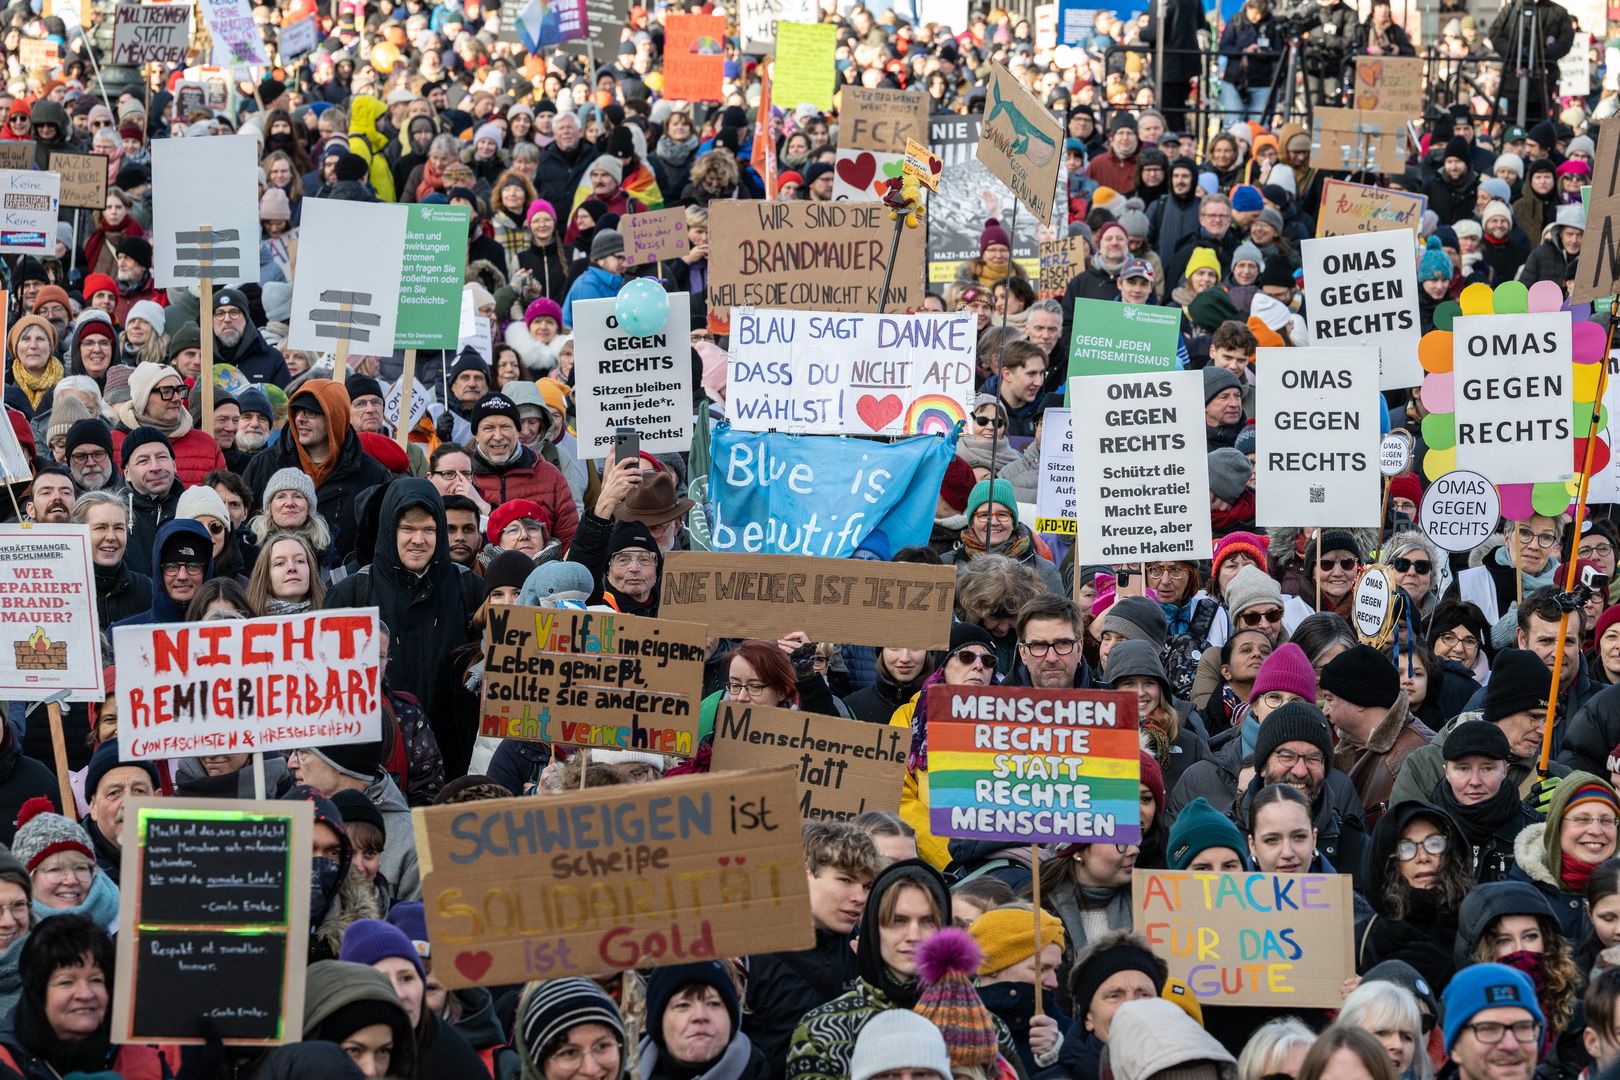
934,165
474,965
877,412
725,860
858,171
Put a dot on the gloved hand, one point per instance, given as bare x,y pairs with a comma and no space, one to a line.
206,1061
444,426
1541,795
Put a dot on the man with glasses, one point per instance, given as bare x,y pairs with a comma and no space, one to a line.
1530,546
237,341
365,404
1049,652
1214,232
1493,1023
633,569
1361,696
182,559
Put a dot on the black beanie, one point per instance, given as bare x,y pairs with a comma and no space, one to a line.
1297,721
139,438
1278,273
631,534
348,1019
360,386
356,806
964,634
508,569
1363,676
1457,147
1475,737
359,761
665,982
1332,540
1519,681
1089,975
351,167
468,360
89,433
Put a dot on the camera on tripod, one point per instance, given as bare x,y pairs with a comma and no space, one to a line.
1304,18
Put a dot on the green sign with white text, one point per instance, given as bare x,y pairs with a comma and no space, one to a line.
1113,338
431,278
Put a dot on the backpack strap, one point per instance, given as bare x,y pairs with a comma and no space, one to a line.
1203,618
362,587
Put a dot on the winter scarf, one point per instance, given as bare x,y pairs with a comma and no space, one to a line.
1099,262
1480,821
676,152
100,904
1017,548
35,387
731,1065
11,975
917,756
286,607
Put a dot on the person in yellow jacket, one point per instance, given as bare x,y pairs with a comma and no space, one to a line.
970,662
366,141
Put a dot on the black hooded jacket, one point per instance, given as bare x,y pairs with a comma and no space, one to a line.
782,987
254,358
335,498
1418,931
120,592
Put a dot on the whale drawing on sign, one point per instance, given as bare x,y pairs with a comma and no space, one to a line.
1023,129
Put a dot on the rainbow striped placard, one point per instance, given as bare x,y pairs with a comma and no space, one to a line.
1034,766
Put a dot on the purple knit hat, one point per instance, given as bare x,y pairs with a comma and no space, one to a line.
543,306
1287,668
368,940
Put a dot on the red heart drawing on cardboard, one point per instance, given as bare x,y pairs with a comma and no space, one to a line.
858,171
474,965
878,413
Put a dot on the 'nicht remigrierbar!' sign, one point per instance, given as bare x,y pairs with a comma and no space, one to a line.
810,255
855,600
1280,940
1036,766
1514,396
608,879
592,678
845,767
242,685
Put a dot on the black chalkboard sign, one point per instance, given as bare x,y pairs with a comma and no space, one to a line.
235,980
215,871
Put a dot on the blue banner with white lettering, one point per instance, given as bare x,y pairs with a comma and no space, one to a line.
823,495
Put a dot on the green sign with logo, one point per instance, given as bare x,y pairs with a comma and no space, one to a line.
431,278
1113,338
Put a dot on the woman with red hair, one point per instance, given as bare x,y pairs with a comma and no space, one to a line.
771,674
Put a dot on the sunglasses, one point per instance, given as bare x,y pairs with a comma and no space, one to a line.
216,528
1272,616
1342,564
973,657
990,421
1401,566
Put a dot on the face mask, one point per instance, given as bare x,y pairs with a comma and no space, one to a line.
1531,963
323,886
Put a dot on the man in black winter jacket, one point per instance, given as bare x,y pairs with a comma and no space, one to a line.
237,342
1451,191
1553,37
563,163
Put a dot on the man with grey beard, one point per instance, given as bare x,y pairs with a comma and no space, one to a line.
89,454
252,428
237,341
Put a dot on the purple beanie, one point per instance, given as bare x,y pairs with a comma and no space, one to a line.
368,940
543,306
1287,668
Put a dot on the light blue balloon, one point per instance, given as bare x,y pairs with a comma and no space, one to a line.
642,307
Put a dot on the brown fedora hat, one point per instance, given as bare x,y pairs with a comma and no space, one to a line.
654,501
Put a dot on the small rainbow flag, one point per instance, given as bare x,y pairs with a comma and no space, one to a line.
1033,766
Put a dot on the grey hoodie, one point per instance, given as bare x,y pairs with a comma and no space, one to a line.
399,849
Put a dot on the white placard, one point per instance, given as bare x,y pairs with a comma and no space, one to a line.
1514,395
1459,511
1361,289
1372,603
1316,429
1395,452
51,640
852,166
237,41
848,372
1575,68
14,463
640,382
226,207
1140,467
421,398
30,201
346,283
1056,508
296,39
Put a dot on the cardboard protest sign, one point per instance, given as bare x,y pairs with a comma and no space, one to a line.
694,57
1061,260
757,20
1038,766
855,374
347,285
1514,396
957,211
609,879
1317,430
803,73
84,178
1597,272
864,603
1362,289
1141,467
873,127
1357,140
1279,940
588,678
806,255
219,917
39,54
237,41
28,208
1114,338
207,230
654,236
152,34
1390,84
273,683
1056,507
844,767
432,269
48,606
1359,208
1460,511
922,163
1019,143
818,495
297,39
621,380
17,154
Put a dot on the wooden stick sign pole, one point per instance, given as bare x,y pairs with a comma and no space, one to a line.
1035,902
407,400
206,317
53,712
1317,569
1383,514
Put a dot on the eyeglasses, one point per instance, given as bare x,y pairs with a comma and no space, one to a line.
1162,571
753,688
169,393
96,125
523,527
1453,640
451,474
1596,551
989,421
1434,844
1490,1032
1587,821
634,558
1289,758
973,657
1276,699
85,457
1038,649
1421,566
1540,540
1271,616
82,871
182,568
997,517
1348,563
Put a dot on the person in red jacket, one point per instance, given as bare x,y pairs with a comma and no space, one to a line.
157,398
1117,168
504,469
134,259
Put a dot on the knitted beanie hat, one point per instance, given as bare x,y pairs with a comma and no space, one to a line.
202,501
1006,936
142,436
1294,722
1136,618
1240,543
290,479
1199,827
64,414
550,1008
947,963
1287,668
1251,587
42,832
368,940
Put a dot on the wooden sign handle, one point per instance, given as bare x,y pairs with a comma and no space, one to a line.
407,400
70,806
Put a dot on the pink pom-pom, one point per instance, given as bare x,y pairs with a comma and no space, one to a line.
951,951
39,804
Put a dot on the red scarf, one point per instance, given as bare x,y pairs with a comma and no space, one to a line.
1574,873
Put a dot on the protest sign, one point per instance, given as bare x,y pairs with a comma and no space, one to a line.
1390,84
28,207
873,128
864,174
1597,271
1040,766
347,285
17,154
237,40
694,57
1281,940
923,163
654,236
219,917
1317,430
1514,396
1460,511
824,496
84,178
803,73
1076,22
1361,289
1056,508
589,678
609,879
844,767
766,596
542,24
1395,453
1019,142
1114,338
1372,607
968,194
297,39
1141,467
852,374
431,276
230,687
808,255
15,464
757,20
154,34
1575,68
225,208
421,398
605,19
621,380
48,599
1061,260
1357,140
39,54
1359,208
